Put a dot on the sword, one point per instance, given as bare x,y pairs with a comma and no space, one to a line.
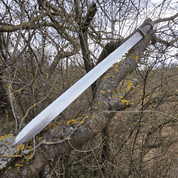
63,101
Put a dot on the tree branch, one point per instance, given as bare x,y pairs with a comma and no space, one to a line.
57,58
66,135
165,19
25,26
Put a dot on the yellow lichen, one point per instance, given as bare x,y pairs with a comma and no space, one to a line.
124,101
132,55
114,92
81,122
129,85
29,156
106,103
47,75
6,136
72,121
20,164
98,103
39,138
116,68
135,57
29,147
20,147
123,90
102,92
9,167
105,77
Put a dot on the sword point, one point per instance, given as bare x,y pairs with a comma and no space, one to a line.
17,142
14,143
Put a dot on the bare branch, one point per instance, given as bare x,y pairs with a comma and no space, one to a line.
165,19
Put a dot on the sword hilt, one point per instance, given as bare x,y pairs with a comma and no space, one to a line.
148,25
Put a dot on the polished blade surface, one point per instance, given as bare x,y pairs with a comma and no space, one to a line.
55,108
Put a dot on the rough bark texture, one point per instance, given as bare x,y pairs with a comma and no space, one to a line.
5,109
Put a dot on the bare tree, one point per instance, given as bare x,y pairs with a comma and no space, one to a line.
112,129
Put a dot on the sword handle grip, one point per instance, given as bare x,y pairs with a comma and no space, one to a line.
147,26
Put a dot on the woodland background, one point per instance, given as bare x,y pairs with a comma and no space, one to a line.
125,124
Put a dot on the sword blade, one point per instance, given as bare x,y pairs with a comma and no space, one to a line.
57,106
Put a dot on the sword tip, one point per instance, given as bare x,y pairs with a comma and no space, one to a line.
15,143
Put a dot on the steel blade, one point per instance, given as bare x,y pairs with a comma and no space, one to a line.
55,108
